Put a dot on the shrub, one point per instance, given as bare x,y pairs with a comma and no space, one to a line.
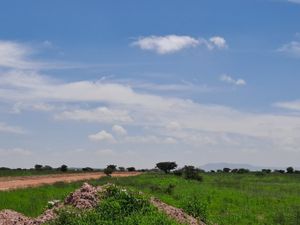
178,172
191,173
266,170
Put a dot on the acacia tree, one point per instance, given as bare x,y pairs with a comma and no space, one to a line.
110,169
290,170
64,168
166,166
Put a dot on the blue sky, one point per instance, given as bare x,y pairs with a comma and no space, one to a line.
134,83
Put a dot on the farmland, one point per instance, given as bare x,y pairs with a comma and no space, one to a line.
221,198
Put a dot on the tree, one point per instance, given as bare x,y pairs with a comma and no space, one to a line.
266,170
38,167
64,168
130,169
121,168
47,167
110,169
290,170
87,169
166,166
226,170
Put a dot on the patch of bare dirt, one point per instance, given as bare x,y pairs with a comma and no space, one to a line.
178,214
9,183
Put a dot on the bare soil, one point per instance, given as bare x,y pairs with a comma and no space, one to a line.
8,183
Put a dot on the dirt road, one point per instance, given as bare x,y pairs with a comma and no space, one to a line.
8,183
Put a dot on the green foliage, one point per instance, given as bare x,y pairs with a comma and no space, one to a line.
166,166
191,173
196,207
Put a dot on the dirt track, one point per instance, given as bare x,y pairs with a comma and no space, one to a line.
7,183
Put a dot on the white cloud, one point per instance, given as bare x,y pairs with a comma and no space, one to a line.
14,55
174,43
218,42
230,80
119,130
11,129
292,48
292,105
102,136
100,114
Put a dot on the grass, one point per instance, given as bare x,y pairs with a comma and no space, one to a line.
223,199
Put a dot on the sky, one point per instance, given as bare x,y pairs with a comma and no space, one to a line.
133,83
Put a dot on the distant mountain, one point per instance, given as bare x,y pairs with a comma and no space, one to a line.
221,165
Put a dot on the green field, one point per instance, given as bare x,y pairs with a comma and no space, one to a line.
224,199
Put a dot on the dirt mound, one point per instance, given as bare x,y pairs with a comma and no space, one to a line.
84,198
9,217
175,213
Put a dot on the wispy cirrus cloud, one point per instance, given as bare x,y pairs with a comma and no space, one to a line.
173,43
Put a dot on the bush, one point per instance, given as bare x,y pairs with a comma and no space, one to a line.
178,172
191,173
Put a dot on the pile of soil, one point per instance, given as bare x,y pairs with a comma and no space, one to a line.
84,198
175,213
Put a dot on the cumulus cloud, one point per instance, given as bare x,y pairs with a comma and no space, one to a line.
218,42
119,130
102,136
174,43
230,80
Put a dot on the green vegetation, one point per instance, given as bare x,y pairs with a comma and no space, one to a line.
116,207
222,198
